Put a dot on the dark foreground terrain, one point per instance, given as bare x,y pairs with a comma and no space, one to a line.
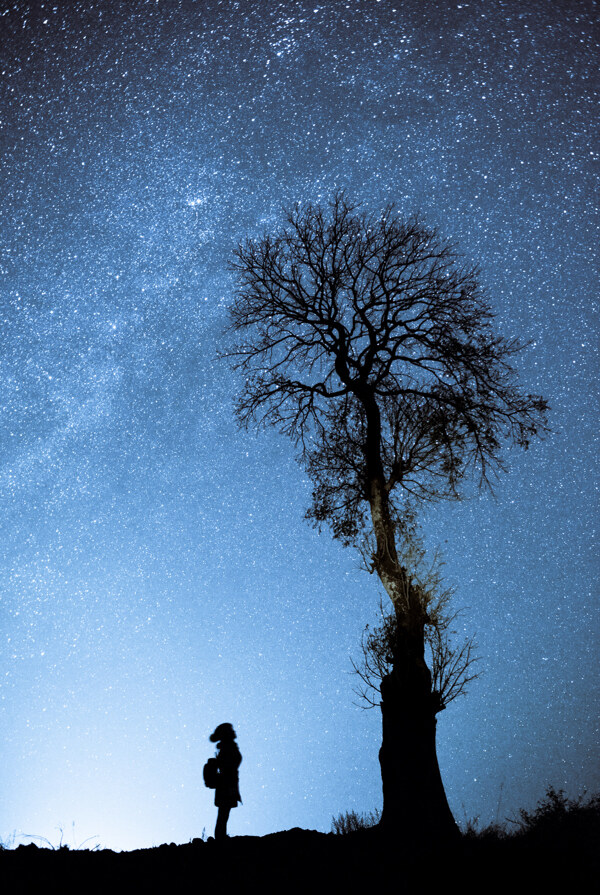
307,861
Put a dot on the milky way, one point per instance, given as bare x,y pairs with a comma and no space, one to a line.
156,573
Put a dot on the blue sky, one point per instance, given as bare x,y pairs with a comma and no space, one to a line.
156,573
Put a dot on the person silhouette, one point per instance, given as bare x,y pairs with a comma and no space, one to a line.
227,790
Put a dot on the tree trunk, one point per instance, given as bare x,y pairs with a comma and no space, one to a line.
415,807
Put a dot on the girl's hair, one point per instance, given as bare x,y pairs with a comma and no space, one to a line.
223,732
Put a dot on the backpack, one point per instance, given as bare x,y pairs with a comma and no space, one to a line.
210,773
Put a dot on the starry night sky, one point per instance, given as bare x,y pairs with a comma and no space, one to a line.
156,573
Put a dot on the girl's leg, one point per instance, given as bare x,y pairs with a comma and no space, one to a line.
221,827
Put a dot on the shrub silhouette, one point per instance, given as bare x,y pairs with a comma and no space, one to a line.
556,820
351,822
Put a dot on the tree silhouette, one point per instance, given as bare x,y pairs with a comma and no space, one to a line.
368,341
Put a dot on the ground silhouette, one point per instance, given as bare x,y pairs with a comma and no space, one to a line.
556,844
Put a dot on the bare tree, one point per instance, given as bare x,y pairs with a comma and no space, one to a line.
369,342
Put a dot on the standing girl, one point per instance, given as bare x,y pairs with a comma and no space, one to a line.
227,790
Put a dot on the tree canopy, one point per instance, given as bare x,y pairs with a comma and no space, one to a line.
369,341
